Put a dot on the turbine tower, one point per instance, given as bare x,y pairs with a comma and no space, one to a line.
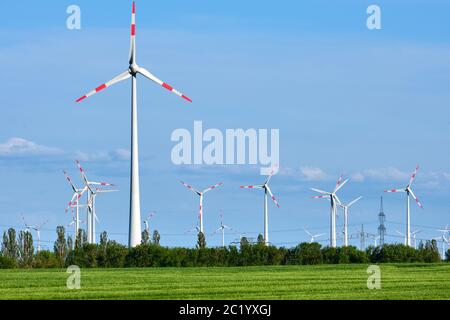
333,201
222,228
444,239
313,236
201,194
345,207
267,190
134,238
409,193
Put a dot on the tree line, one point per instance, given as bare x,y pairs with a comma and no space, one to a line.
18,252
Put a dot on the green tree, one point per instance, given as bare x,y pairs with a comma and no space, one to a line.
244,242
10,248
260,240
60,246
145,237
201,241
26,249
447,255
156,237
81,239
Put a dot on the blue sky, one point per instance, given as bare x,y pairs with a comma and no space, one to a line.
369,104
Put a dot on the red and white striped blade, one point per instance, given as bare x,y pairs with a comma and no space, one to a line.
190,187
132,57
272,172
273,197
70,181
338,183
123,76
321,197
150,76
252,187
415,198
413,176
395,190
103,184
83,174
212,187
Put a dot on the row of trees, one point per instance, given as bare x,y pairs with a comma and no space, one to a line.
20,253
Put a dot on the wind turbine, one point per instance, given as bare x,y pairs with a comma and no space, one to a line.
36,228
146,221
313,236
134,238
345,208
222,228
333,201
403,235
91,195
201,194
409,192
375,239
443,238
78,193
267,190
414,234
75,222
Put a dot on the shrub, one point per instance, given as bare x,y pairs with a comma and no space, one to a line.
7,263
46,259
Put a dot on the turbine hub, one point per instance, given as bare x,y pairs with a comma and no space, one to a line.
133,68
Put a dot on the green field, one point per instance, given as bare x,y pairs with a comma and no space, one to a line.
399,281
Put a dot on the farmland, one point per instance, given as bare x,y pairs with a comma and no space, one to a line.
398,281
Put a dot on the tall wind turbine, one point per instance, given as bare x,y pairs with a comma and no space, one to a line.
333,201
36,228
222,228
409,193
134,238
345,207
313,236
201,194
414,234
444,239
91,195
74,202
266,188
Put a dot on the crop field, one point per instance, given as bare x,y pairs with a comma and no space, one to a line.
398,281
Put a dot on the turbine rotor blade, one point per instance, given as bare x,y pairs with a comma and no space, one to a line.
150,76
340,186
394,190
212,187
123,76
354,201
413,176
252,187
273,197
320,191
70,181
132,55
415,198
190,187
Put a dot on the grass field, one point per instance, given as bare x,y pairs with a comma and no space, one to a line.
400,281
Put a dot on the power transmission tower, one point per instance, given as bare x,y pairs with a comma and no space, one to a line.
381,227
362,237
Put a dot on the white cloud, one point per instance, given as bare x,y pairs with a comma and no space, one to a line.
385,174
312,174
22,147
118,155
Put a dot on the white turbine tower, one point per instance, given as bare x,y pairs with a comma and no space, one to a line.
74,202
134,238
375,239
409,193
92,195
414,234
36,228
333,201
267,190
444,239
345,207
403,235
201,194
222,228
313,236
